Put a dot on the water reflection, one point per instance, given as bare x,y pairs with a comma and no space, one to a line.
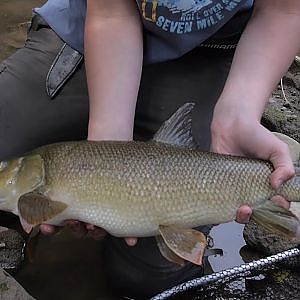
64,267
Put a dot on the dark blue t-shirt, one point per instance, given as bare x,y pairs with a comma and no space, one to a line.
172,27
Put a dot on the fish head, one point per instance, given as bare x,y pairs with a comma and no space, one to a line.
18,177
8,178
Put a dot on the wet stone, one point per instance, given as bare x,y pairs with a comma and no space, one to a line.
11,289
282,113
269,243
11,249
287,105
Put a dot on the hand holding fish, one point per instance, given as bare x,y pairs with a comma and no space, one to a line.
80,229
237,134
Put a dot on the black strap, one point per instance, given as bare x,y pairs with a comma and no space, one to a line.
63,66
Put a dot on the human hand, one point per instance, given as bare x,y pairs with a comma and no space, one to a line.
239,134
80,229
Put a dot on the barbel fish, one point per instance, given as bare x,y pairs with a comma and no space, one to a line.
163,188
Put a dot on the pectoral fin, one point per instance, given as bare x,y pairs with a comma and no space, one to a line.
188,244
36,208
26,227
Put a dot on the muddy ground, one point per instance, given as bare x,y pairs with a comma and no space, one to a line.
283,111
14,19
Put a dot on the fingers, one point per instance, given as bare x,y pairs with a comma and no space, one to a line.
80,229
48,229
243,214
77,228
95,232
131,241
282,162
280,201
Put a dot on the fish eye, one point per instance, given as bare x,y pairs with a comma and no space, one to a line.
3,165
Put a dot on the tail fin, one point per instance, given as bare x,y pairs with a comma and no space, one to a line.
279,220
295,206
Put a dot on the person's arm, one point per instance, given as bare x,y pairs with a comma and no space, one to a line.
265,51
113,60
113,57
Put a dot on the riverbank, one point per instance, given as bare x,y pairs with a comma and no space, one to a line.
15,16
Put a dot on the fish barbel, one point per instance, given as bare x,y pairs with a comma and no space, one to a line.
163,187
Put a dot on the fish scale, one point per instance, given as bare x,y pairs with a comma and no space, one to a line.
119,180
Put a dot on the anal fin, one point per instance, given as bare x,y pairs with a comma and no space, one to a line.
295,209
167,253
277,220
189,244
37,208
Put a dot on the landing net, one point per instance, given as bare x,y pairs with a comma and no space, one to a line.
271,277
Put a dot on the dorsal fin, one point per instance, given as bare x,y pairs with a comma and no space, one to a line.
177,130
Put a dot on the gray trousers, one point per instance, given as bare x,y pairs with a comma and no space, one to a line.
30,118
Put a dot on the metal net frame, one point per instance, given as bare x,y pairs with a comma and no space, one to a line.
232,283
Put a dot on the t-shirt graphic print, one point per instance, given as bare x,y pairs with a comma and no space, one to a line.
174,27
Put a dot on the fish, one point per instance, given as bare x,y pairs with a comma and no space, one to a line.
165,187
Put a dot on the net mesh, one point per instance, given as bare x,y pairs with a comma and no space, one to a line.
272,281
270,273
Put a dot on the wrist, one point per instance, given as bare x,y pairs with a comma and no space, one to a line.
239,108
233,122
98,131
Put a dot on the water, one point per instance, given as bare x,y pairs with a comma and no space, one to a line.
228,237
64,267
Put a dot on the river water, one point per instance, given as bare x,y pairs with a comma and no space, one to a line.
61,266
